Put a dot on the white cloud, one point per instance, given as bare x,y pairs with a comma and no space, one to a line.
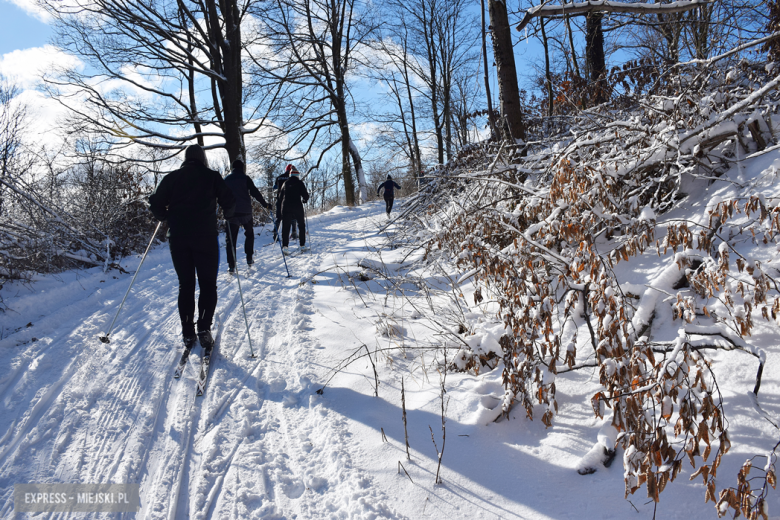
24,67
32,8
365,131
43,117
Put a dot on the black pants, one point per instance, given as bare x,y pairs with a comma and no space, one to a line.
287,220
278,223
191,257
234,224
389,204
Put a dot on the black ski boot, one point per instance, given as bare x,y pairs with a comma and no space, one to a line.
206,340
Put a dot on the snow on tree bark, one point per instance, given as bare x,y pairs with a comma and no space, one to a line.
361,176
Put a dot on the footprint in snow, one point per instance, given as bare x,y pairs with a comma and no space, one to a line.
292,488
277,385
316,483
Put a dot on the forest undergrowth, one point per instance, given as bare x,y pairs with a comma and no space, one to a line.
544,229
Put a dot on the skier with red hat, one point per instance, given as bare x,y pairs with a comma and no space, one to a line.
277,189
293,195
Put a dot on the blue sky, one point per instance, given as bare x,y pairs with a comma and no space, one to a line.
19,29
23,57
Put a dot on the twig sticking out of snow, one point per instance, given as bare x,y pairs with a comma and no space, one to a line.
401,467
403,408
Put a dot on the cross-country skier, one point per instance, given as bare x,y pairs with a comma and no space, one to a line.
277,189
388,185
187,198
243,189
294,195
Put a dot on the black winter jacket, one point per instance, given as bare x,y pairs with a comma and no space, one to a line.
187,198
388,186
293,194
242,187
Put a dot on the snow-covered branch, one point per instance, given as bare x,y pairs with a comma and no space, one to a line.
546,10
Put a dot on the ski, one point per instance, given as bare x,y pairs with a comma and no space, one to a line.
182,363
204,371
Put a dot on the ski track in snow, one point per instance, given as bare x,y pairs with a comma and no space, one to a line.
257,445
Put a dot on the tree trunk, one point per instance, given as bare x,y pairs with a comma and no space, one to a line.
416,160
571,46
508,91
447,113
594,54
346,141
547,74
361,177
194,115
227,62
700,21
437,117
491,115
346,169
429,31
411,146
772,47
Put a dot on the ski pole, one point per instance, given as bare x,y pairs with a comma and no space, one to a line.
105,339
306,219
240,292
284,258
279,239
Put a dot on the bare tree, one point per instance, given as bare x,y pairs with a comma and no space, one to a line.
313,48
400,128
466,106
159,72
442,40
457,58
12,123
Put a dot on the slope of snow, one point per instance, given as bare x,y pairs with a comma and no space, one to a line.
262,443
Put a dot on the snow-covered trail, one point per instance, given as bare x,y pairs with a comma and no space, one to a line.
262,443
75,410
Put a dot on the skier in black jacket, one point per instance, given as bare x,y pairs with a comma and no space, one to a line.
277,189
388,185
187,198
294,195
243,189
